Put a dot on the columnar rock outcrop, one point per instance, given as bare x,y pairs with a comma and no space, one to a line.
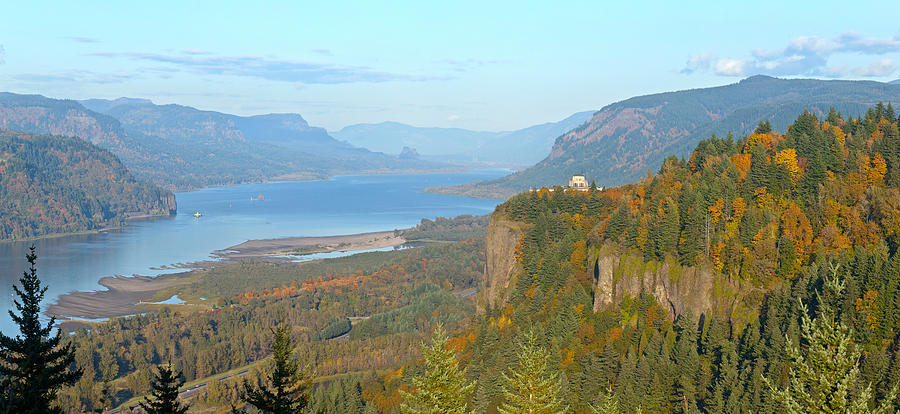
501,267
619,273
698,288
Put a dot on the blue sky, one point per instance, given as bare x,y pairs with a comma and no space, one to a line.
478,65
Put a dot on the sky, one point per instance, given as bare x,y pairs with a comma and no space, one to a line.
484,65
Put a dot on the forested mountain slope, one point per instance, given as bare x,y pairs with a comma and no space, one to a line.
175,164
678,293
625,139
52,184
285,137
181,147
522,147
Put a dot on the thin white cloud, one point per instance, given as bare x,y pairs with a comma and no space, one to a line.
197,52
881,68
464,65
453,117
77,76
700,62
731,67
82,39
806,55
267,68
2,55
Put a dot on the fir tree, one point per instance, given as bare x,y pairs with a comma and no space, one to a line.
608,404
443,387
688,363
764,127
825,374
165,392
832,116
532,387
289,382
34,365
106,400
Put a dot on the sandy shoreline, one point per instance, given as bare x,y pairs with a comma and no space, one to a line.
122,293
310,245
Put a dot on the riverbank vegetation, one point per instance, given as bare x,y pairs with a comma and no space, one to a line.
392,296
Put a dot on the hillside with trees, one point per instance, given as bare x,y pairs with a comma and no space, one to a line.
51,184
805,223
179,147
224,326
788,242
624,140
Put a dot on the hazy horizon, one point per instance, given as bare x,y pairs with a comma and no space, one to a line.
479,66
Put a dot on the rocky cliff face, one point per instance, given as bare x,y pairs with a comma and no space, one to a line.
700,289
501,268
169,202
63,118
619,273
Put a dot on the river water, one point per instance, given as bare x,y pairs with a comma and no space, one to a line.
232,215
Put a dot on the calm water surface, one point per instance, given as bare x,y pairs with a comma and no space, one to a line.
232,215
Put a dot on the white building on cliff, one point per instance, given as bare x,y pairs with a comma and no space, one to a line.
578,182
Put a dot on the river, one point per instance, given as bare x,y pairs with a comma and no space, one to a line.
232,215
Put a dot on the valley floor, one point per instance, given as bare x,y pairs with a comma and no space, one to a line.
137,294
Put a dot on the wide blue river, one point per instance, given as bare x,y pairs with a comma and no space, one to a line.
232,215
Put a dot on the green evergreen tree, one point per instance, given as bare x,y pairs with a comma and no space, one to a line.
288,384
532,387
764,127
669,229
688,362
825,374
832,116
608,404
165,392
34,365
443,387
106,399
759,174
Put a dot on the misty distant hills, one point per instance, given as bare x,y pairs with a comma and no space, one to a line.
105,105
508,148
290,131
624,140
181,147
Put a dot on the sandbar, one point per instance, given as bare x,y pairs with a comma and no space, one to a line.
123,294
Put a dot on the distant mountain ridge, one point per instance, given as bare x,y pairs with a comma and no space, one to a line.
181,147
53,185
105,105
508,148
185,122
624,140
